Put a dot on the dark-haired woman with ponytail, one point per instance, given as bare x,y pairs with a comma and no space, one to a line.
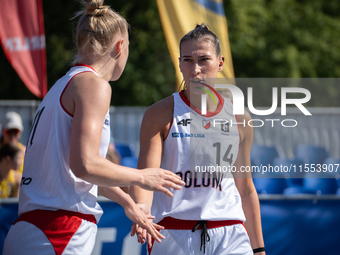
65,165
217,211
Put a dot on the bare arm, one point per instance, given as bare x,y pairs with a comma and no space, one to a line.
152,135
87,98
245,186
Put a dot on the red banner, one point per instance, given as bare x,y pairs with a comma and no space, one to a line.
22,37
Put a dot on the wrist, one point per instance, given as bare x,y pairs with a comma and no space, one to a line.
258,250
138,179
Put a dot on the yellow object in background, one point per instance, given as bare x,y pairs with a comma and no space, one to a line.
178,17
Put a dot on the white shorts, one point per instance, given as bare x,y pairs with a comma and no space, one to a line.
66,235
224,240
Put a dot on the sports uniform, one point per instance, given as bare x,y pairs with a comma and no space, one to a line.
49,189
206,216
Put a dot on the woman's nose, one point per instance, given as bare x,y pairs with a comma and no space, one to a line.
196,69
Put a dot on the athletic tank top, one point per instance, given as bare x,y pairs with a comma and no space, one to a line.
200,149
8,186
48,183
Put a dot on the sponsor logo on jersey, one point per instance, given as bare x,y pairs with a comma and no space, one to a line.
107,122
225,127
175,134
181,135
206,124
184,122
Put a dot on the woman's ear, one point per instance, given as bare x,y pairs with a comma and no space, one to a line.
221,63
119,48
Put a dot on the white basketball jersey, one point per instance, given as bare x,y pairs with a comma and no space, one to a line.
201,149
48,183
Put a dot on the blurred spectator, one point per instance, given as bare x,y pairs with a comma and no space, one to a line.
10,160
12,129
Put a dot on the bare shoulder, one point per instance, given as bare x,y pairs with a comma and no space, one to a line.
161,110
91,86
87,89
246,131
159,115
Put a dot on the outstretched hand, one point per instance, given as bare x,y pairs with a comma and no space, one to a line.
142,234
141,218
157,179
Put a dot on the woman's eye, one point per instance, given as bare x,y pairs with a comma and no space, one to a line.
187,60
204,59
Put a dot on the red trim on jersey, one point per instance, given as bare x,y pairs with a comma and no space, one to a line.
245,228
172,223
58,226
209,114
79,64
62,106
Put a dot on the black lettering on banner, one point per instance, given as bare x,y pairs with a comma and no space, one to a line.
34,127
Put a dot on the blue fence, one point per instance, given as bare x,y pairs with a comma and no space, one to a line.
301,225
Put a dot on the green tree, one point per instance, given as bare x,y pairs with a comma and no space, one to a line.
268,38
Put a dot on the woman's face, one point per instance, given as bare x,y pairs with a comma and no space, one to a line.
199,63
11,136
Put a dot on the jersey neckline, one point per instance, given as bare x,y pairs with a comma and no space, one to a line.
209,113
80,64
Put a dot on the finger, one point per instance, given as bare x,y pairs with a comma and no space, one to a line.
170,184
143,236
139,234
150,216
149,240
175,178
158,227
173,174
165,191
133,229
154,233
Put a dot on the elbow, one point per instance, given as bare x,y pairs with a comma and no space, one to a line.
80,168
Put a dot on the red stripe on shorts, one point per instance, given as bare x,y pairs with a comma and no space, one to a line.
58,226
171,223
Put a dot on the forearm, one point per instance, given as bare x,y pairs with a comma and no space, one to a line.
141,196
117,195
102,172
251,208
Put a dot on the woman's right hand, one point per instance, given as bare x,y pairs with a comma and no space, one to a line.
142,225
157,179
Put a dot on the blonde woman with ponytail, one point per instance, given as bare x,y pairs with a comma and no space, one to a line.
65,166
